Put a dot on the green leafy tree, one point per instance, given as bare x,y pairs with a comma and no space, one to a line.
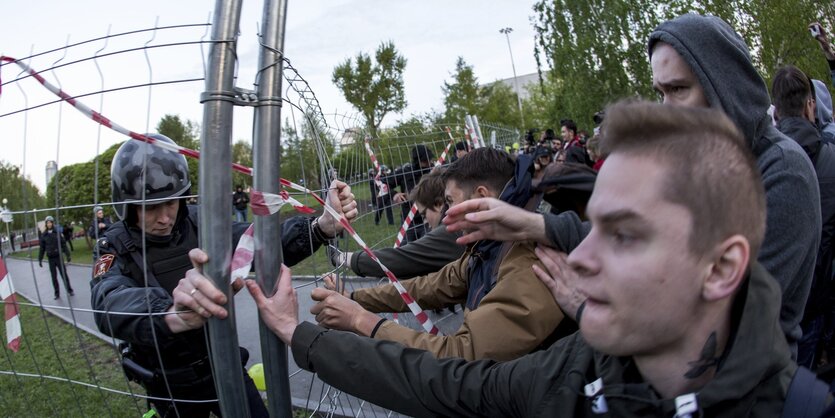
374,88
76,185
305,155
462,95
498,104
20,193
185,134
242,154
594,52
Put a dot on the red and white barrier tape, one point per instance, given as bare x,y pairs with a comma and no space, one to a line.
12,313
382,188
102,120
99,118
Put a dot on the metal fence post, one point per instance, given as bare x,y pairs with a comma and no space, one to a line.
266,162
216,203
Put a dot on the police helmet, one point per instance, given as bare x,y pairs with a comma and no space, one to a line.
98,208
49,219
142,171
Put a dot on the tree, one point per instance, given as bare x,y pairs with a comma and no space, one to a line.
242,154
20,193
185,134
374,88
462,96
594,52
76,185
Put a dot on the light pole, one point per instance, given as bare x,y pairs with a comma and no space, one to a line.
506,32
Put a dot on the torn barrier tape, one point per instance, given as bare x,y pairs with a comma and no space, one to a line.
99,118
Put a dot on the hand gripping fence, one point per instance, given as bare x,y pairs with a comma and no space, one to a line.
274,200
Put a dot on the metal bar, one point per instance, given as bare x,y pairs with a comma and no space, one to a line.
215,187
267,170
478,131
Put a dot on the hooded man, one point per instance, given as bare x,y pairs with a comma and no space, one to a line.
680,319
699,61
823,112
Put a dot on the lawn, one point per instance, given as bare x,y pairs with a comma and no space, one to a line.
51,347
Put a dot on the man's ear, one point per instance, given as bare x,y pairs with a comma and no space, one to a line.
810,109
483,191
728,268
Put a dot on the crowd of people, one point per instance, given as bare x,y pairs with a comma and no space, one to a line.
688,275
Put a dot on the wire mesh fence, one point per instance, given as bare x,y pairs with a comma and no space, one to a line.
66,365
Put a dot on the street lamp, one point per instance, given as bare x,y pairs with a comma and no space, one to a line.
506,32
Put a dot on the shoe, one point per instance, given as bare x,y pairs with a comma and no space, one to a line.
71,293
57,297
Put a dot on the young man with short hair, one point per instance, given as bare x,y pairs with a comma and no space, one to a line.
508,312
680,320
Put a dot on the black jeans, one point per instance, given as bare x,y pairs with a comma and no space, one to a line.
202,390
56,264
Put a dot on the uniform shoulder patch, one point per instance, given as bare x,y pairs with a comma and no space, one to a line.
103,265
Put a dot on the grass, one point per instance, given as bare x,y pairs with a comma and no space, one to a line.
51,347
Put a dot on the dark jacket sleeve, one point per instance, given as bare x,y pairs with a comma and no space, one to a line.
566,230
115,296
297,241
426,255
42,248
412,381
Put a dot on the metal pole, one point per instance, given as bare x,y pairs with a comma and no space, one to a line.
506,32
477,128
215,204
267,164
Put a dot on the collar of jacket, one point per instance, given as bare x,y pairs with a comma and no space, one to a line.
485,254
757,357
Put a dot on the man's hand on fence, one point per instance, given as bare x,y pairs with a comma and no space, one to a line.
336,311
280,312
492,219
331,284
400,198
824,42
342,200
196,298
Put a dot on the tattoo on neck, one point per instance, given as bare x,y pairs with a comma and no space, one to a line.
706,360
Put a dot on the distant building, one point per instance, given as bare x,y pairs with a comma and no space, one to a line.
51,171
525,82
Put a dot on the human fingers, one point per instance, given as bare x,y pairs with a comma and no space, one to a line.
198,257
330,283
203,288
319,294
469,206
255,291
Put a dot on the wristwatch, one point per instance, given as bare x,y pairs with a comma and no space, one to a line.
317,231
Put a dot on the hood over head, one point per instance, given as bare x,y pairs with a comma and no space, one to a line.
721,61
823,99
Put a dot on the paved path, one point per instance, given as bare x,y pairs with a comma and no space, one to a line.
34,283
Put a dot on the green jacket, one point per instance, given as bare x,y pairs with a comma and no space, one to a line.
754,373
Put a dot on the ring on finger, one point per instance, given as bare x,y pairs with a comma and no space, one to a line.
192,292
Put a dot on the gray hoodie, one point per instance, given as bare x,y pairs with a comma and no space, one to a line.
720,59
823,113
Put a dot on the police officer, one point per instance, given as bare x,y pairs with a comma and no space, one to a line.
97,227
407,177
141,270
52,244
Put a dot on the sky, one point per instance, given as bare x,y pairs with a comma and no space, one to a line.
431,34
